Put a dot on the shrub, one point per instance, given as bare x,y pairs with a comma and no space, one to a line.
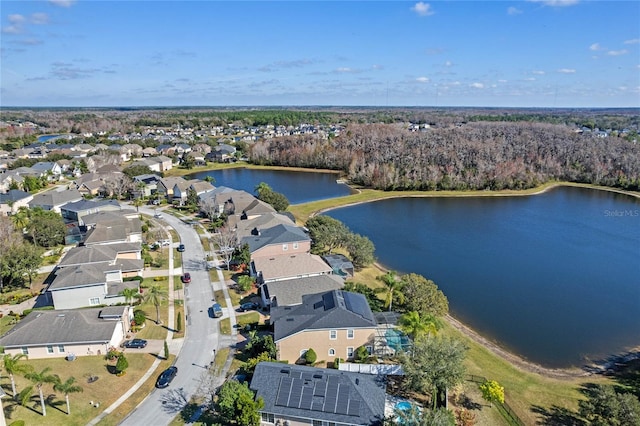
112,354
310,356
121,364
361,354
139,317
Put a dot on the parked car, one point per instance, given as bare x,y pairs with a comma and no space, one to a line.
186,278
166,377
135,343
181,248
216,310
158,215
249,306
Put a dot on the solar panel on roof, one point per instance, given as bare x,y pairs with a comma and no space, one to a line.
358,304
307,398
354,407
283,391
317,405
296,393
320,389
331,398
327,299
343,400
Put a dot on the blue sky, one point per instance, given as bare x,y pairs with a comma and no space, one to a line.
539,53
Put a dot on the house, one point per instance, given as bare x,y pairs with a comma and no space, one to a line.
165,186
55,198
222,153
57,334
85,285
278,268
74,212
145,185
11,202
201,186
277,240
290,292
8,179
112,227
301,395
127,255
48,168
248,227
333,323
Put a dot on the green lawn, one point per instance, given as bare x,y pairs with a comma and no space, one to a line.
105,390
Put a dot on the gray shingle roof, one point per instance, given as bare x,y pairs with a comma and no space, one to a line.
279,234
55,198
323,311
290,292
320,394
62,327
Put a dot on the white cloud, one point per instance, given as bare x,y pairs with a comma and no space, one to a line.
62,3
502,81
448,64
17,24
556,3
16,19
423,9
617,52
377,67
632,41
567,71
344,70
537,72
595,47
477,85
422,79
530,79
513,11
39,18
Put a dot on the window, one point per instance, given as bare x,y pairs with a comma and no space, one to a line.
25,350
295,246
268,417
369,349
350,352
61,348
285,247
333,334
332,352
49,349
94,301
350,333
317,423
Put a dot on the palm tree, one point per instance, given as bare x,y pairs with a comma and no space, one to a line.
155,295
39,379
130,294
21,218
262,186
67,387
392,288
416,325
137,203
11,366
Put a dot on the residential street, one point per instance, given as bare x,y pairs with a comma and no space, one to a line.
201,336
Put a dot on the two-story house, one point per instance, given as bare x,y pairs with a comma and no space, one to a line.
333,323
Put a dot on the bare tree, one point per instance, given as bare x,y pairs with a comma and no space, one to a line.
227,240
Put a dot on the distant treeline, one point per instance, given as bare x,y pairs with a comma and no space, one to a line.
476,155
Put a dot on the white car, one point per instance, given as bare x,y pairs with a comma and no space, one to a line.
158,215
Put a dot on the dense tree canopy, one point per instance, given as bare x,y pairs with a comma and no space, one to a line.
605,406
46,227
277,200
235,403
475,155
434,364
423,296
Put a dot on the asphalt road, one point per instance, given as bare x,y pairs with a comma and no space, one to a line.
201,337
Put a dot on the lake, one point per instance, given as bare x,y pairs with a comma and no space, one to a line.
553,277
298,187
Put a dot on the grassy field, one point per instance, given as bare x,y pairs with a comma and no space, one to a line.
104,391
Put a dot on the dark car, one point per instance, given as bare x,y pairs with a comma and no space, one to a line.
181,247
216,310
166,377
186,278
135,343
249,306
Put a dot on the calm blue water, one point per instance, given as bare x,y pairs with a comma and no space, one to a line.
298,187
45,138
553,277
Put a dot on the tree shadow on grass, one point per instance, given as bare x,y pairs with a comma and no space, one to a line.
557,416
466,402
59,405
